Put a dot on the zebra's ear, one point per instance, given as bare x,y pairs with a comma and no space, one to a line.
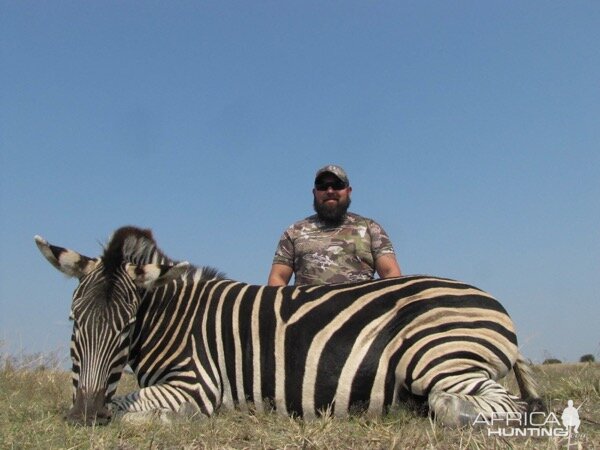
152,276
67,261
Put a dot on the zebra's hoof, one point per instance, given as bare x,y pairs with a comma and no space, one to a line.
452,411
140,417
188,410
536,405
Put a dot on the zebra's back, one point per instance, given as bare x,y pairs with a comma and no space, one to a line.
303,350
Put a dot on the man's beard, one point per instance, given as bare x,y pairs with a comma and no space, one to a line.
332,215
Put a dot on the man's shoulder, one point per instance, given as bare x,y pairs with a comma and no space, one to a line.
354,218
362,223
307,222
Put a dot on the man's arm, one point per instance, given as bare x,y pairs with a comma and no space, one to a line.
387,266
280,275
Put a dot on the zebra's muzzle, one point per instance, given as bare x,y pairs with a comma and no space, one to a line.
89,409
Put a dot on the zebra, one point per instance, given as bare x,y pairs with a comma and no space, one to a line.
197,341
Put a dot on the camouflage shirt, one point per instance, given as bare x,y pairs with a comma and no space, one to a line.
322,254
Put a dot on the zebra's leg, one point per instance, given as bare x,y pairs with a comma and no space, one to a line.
528,385
160,402
472,403
185,412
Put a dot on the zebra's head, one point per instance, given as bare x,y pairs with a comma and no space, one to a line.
103,312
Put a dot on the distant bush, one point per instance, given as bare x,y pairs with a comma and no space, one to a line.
552,361
587,358
30,361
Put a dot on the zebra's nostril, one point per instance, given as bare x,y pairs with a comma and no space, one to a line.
89,409
100,418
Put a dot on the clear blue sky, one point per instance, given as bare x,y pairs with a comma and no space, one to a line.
470,130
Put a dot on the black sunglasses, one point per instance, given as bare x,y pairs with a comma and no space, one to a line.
336,185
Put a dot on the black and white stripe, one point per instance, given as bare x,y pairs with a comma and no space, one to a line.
197,339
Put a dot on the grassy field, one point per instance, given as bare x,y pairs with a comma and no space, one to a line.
33,400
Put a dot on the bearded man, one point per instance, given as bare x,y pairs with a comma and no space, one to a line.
334,245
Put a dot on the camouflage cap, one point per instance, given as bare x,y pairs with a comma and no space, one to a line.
334,170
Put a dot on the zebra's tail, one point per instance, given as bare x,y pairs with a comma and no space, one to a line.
528,385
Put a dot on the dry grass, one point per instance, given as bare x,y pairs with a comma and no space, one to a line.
34,400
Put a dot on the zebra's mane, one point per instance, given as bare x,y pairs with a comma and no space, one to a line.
136,245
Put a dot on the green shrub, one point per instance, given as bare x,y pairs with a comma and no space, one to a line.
552,361
587,358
